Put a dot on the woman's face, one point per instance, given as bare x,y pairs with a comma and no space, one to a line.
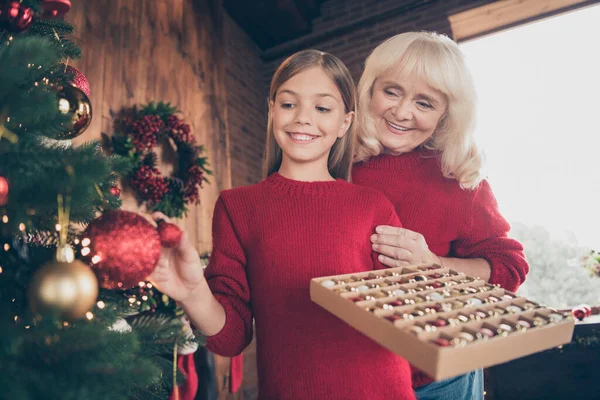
406,111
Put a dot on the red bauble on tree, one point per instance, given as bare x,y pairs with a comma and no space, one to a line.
115,191
15,17
55,8
79,80
3,191
123,249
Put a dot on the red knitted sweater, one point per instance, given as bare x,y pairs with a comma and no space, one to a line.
269,240
455,222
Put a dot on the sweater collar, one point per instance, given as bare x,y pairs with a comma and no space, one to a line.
400,162
290,186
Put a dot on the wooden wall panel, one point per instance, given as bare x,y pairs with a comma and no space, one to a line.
137,51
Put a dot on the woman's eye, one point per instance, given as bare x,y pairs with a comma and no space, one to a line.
424,104
323,109
390,92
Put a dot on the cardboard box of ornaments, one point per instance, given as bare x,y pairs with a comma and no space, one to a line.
443,322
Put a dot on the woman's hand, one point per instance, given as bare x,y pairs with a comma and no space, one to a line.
398,247
179,273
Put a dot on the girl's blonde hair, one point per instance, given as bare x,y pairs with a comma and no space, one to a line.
436,60
340,156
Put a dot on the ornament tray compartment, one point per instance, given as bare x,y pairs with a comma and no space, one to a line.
442,321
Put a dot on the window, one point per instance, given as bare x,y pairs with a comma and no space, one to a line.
539,123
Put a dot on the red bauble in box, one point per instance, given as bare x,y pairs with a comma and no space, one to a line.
123,249
55,8
582,311
15,17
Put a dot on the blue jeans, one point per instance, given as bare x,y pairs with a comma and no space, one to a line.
464,387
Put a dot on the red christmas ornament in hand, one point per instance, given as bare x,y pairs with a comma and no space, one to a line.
55,8
79,80
124,249
3,191
15,16
169,233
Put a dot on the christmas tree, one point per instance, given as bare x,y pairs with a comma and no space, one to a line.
63,337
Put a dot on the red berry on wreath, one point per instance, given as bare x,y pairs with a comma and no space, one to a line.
122,247
169,233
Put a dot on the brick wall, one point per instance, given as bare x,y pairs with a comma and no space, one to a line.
351,29
247,105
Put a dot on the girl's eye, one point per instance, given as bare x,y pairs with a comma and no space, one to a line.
287,105
323,109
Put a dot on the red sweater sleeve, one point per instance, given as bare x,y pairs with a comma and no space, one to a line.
390,219
487,237
226,276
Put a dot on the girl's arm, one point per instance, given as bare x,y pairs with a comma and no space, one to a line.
217,301
179,275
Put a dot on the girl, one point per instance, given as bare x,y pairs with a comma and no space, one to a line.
271,238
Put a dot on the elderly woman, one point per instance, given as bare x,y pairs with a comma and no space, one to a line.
416,145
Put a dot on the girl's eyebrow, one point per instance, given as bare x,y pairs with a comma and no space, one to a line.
316,95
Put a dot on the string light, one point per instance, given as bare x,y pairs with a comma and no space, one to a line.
96,259
5,219
89,315
101,304
65,323
85,242
85,251
6,247
58,227
142,284
76,241
0,270
132,300
22,227
144,297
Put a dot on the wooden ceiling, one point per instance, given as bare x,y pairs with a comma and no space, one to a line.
272,22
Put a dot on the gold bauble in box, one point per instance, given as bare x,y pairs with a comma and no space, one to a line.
66,289
73,101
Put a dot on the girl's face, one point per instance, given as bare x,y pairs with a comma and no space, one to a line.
308,117
406,111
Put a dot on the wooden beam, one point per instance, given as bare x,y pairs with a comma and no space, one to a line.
507,13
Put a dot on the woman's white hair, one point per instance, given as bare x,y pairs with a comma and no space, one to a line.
436,60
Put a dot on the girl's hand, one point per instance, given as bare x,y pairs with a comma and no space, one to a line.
398,247
179,273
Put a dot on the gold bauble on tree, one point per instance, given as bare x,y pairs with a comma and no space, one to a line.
66,287
73,101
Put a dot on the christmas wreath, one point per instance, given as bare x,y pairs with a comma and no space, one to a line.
138,132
